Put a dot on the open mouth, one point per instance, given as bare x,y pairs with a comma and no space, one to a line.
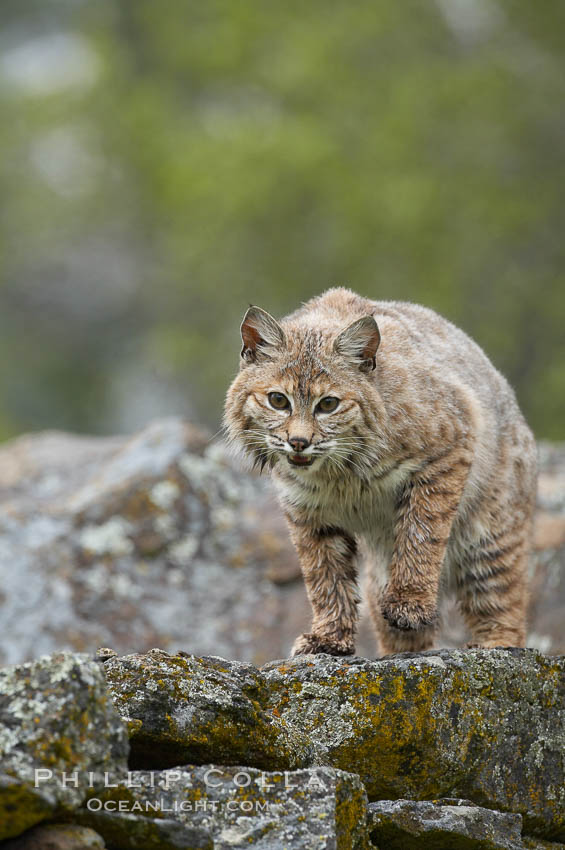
301,460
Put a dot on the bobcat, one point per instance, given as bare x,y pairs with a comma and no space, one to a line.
390,434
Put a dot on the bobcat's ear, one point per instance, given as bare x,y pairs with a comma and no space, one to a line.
261,335
359,343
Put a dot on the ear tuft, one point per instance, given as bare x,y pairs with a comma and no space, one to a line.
261,335
359,342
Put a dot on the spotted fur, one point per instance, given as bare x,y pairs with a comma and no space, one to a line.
426,466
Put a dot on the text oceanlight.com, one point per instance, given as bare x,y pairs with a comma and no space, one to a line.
95,804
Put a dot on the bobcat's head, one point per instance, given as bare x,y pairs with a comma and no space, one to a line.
305,395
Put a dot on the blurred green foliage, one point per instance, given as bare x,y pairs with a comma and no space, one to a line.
172,162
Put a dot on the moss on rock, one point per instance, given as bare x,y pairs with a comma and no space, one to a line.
182,709
459,825
55,715
57,837
488,725
21,806
314,809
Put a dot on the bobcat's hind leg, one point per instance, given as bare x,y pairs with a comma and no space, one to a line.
493,593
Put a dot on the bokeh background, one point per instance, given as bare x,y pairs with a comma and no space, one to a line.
165,164
162,165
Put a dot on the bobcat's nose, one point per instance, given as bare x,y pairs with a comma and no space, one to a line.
299,443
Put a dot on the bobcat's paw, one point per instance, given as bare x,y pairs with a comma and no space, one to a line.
312,644
409,616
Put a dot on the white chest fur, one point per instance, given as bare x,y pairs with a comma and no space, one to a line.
364,508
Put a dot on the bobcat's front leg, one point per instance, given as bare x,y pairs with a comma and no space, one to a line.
425,513
327,557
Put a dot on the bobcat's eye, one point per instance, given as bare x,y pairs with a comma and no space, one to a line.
278,401
327,404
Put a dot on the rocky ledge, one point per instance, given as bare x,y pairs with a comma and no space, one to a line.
448,749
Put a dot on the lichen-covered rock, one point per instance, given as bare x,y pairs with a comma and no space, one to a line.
133,831
486,725
55,716
183,709
410,825
57,837
316,809
21,805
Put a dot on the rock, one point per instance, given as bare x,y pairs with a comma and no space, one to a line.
153,540
184,709
130,831
243,807
161,539
486,725
57,837
55,716
21,806
410,825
